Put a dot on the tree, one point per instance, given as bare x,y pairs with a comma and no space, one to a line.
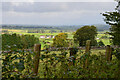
60,40
113,19
85,33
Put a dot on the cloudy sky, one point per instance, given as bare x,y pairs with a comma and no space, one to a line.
55,13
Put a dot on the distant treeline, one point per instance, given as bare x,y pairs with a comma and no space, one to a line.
24,27
100,27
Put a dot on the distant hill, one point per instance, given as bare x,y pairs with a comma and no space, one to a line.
100,27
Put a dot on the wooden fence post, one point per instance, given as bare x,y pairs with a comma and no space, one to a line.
108,53
87,51
37,49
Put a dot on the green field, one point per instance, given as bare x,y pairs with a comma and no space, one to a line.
105,41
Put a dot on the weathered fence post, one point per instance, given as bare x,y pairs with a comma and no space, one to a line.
108,53
87,51
37,49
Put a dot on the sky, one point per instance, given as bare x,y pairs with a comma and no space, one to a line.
58,0
55,13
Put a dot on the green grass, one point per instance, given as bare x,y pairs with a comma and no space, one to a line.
105,41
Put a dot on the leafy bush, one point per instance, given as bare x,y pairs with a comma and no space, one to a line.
18,41
60,67
19,64
117,53
60,40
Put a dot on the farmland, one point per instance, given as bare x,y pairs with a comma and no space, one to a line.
50,40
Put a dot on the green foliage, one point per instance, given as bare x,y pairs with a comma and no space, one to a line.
113,19
18,41
86,33
117,53
17,64
60,40
74,50
100,43
57,66
115,32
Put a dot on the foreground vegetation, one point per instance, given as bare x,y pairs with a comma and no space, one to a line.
59,64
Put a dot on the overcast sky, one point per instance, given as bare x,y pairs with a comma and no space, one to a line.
55,13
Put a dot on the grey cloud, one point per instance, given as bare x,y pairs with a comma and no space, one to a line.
35,7
54,13
40,7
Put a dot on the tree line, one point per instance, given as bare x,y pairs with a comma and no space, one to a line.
11,41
